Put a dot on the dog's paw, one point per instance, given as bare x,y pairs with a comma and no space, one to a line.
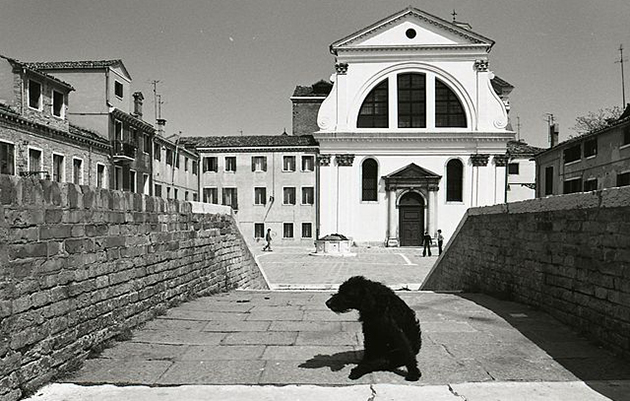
356,373
413,375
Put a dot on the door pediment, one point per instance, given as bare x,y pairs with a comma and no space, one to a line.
412,176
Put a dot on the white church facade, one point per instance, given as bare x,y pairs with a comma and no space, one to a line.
413,132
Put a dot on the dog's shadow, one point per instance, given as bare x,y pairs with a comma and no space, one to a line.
338,361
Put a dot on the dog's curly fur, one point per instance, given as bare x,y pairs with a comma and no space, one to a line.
391,331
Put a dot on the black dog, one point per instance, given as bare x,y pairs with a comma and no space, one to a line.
391,332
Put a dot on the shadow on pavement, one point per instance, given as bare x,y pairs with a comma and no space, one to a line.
335,362
600,369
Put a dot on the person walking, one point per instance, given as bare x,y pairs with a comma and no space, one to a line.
440,241
427,242
268,238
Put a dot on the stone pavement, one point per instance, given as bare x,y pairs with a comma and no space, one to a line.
294,268
286,345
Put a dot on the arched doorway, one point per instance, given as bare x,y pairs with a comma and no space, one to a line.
411,219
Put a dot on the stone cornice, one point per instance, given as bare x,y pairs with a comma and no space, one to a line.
131,120
32,127
411,137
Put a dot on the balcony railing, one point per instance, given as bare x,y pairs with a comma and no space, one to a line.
124,150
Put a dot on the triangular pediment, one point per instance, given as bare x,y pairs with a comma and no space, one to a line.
411,28
412,171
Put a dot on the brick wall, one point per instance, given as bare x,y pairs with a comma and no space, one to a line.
305,116
569,255
79,266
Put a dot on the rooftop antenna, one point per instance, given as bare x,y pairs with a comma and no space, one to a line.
454,14
159,104
518,128
623,84
155,98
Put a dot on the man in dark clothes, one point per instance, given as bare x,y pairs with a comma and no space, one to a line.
426,241
268,239
440,241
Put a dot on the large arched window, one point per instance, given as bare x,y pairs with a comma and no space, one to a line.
369,180
374,110
454,181
412,104
448,109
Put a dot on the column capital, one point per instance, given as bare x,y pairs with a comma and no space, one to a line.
341,68
433,187
344,159
481,65
501,160
323,160
479,160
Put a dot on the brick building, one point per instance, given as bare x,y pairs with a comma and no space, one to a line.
175,167
36,138
600,159
270,182
105,104
305,102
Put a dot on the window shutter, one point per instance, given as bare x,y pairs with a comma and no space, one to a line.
253,163
264,164
235,200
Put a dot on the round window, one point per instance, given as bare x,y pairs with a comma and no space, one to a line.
411,33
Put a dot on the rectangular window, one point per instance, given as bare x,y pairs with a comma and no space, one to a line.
7,158
118,89
185,163
118,130
100,176
308,163
177,157
210,164
58,168
259,163
307,230
77,171
288,196
195,197
623,179
145,184
195,168
175,193
34,95
118,178
35,162
157,152
626,136
157,190
590,185
132,181
259,230
230,198
513,168
308,195
412,101
548,181
168,192
288,163
146,139
287,230
210,195
57,104
573,153
186,195
260,196
230,163
169,156
590,148
572,186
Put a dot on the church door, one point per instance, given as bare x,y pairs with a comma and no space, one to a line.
411,219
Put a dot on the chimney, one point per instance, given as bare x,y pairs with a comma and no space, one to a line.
138,98
161,123
554,130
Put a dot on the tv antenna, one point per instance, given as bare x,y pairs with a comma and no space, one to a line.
623,84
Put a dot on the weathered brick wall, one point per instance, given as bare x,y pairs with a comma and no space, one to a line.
569,255
79,266
305,116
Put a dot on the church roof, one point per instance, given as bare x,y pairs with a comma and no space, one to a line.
250,141
422,15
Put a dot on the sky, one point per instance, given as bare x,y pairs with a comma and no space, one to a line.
230,66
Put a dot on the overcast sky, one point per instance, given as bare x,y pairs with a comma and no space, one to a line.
227,66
